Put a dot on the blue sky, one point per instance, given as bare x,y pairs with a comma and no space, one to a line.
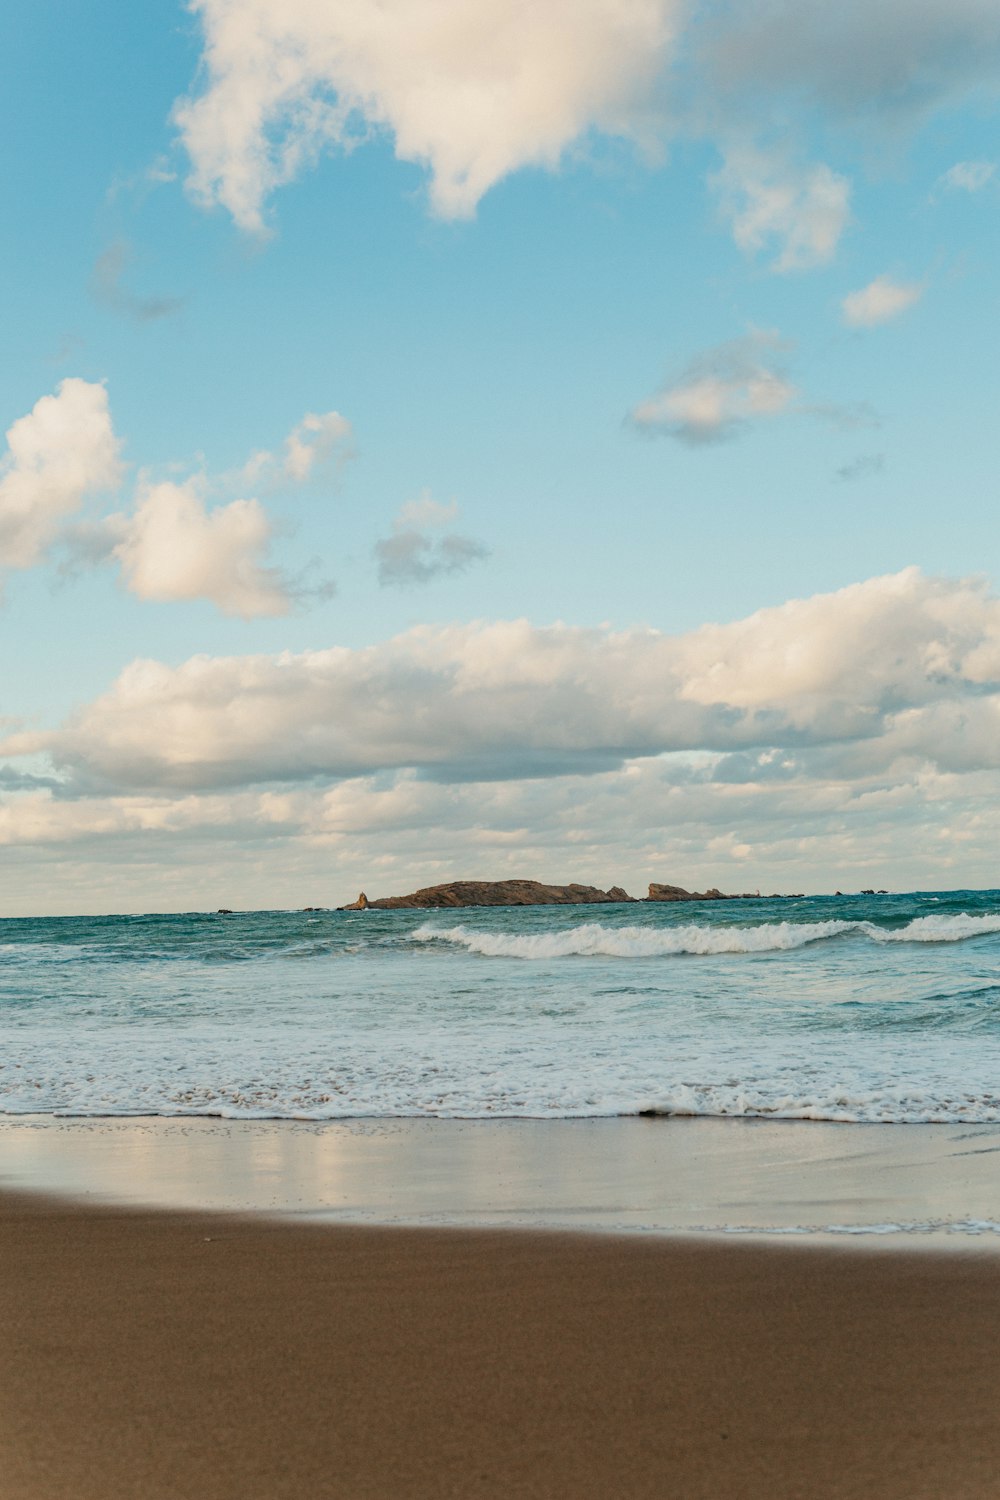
628,315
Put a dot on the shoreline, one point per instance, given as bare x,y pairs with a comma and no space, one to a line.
727,1178
246,1358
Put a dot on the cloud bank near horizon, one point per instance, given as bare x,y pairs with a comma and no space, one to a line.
900,667
847,738
869,713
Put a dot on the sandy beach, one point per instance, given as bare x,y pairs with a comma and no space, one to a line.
167,1355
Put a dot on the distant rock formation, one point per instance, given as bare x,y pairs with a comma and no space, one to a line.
492,893
678,893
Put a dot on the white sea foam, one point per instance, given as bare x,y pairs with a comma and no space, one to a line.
592,939
778,1019
263,1080
506,1052
935,929
635,942
872,1101
918,1227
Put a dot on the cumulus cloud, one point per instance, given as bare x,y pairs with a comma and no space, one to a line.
109,287
413,555
802,747
968,176
172,547
902,666
317,444
771,205
313,441
698,820
719,392
648,820
64,450
470,92
879,302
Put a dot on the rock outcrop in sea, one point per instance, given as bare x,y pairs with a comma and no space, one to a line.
678,893
456,893
492,893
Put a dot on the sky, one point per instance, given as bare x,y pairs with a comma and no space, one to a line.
470,438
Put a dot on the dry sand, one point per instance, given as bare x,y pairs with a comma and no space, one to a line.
150,1355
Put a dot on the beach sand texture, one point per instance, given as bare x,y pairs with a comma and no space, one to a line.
150,1355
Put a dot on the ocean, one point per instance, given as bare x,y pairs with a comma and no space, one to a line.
854,1008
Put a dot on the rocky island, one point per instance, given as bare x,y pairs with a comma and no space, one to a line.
678,893
458,893
491,893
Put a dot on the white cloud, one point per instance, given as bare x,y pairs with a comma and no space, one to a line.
173,548
64,450
697,821
969,176
470,91
802,747
413,556
799,211
37,818
891,667
692,820
833,665
170,545
319,441
719,392
879,302
312,443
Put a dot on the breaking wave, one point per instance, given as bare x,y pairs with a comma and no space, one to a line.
936,929
846,1010
593,939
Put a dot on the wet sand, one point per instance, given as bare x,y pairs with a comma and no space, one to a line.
148,1355
610,1174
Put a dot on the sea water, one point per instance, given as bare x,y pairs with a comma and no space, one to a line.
862,1008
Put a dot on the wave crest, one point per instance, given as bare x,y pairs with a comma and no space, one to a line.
938,929
593,939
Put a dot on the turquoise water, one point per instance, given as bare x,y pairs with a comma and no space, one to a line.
840,1008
